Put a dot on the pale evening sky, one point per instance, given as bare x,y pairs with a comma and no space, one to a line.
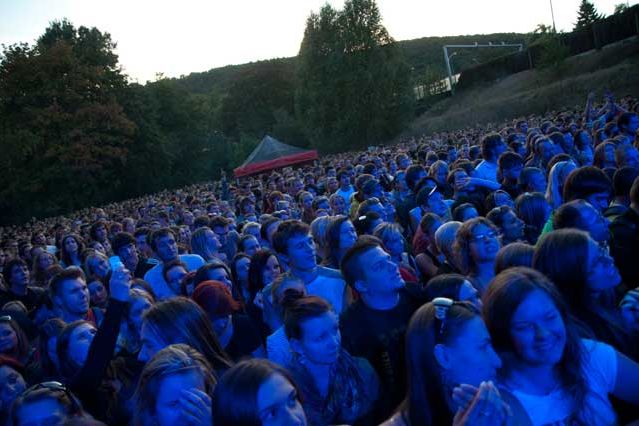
183,36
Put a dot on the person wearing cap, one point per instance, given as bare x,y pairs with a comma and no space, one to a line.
237,334
124,247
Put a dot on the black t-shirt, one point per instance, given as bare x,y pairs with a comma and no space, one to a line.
246,338
378,336
32,299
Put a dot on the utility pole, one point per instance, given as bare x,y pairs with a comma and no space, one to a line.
552,13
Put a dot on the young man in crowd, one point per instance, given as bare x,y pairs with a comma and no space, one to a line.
164,245
492,146
295,246
124,246
70,296
373,326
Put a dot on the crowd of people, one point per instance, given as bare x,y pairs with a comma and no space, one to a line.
484,276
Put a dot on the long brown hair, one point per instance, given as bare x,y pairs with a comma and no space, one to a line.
505,293
180,320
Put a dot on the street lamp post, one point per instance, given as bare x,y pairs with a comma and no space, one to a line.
552,13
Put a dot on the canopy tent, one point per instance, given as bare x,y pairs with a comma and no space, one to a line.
272,154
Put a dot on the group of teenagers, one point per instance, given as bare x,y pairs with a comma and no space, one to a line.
486,276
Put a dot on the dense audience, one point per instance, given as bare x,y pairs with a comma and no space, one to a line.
485,276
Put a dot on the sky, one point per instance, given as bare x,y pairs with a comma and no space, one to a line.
178,37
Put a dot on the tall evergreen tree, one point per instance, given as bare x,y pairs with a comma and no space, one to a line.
586,15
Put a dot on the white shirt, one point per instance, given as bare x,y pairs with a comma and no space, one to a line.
159,285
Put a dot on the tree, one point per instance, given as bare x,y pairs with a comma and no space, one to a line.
620,8
63,133
354,86
586,15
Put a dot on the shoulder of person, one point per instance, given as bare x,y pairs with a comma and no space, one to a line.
326,272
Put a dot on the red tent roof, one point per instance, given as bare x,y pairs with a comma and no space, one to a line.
272,154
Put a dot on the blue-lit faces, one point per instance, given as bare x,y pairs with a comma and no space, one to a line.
468,293
538,331
538,182
594,223
435,204
381,275
73,297
11,386
8,339
44,411
301,252
469,357
599,200
394,244
347,235
278,403
166,248
271,270
151,342
70,245
138,306
180,399
97,293
602,272
251,245
321,341
512,227
19,276
484,244
80,342
338,205
242,266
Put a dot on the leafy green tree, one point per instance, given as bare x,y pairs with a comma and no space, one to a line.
586,15
354,86
63,134
620,8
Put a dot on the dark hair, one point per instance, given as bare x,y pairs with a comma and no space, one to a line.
488,145
514,254
68,367
533,209
64,255
120,240
425,402
202,273
287,230
48,390
300,310
623,179
458,212
22,345
49,329
70,273
585,181
181,320
444,285
350,264
412,175
160,233
235,396
505,293
258,262
333,233
509,159
8,268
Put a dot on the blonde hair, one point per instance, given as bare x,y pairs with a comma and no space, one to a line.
199,244
319,231
174,359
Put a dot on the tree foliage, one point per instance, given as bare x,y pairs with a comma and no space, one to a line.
586,15
354,85
620,8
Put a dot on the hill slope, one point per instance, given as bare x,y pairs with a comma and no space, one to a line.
539,90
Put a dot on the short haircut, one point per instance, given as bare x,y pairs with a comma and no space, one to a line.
142,231
70,273
167,266
122,239
351,267
568,215
285,231
160,233
584,182
489,143
412,175
509,159
623,179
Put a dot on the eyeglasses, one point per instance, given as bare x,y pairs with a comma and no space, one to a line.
482,238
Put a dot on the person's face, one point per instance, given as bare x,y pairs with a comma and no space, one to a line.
452,155
44,411
512,227
11,386
45,261
394,244
442,172
19,275
221,232
70,245
139,306
468,293
436,204
301,252
632,158
101,266
278,403
97,293
167,249
320,340
151,342
80,342
142,245
251,246
537,330
271,270
347,235
174,277
220,274
338,205
242,268
73,296
171,405
212,240
129,256
307,201
596,224
381,275
332,184
602,272
473,350
513,172
344,180
8,338
599,200
484,244
100,233
500,149
538,182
